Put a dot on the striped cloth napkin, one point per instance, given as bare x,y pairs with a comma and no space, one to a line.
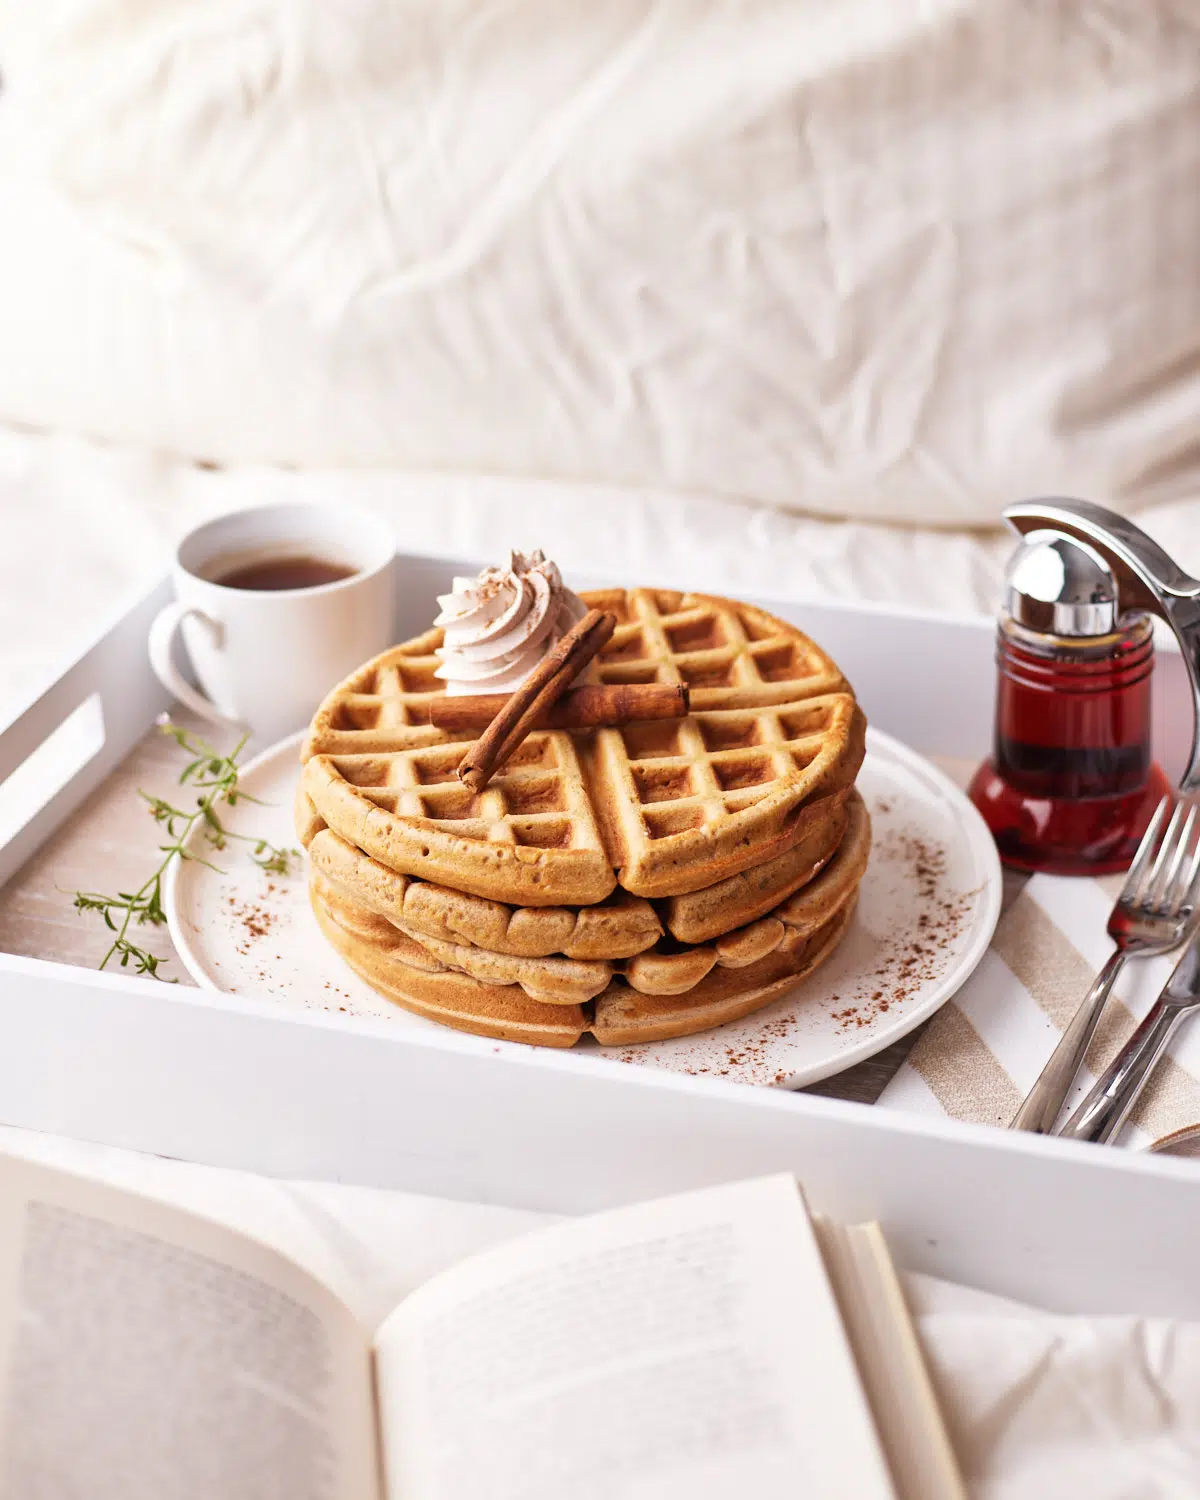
981,1053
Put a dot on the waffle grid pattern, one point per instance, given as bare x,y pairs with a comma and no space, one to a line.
399,696
681,780
771,720
766,705
537,801
724,652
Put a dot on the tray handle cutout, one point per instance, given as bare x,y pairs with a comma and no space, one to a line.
67,750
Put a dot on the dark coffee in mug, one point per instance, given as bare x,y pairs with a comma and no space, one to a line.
273,605
272,574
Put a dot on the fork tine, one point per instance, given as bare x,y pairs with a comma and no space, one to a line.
1192,891
1174,889
1153,894
1161,852
1145,850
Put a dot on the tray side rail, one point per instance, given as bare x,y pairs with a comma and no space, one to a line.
57,750
225,1082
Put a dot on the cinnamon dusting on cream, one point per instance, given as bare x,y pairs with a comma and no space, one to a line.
500,625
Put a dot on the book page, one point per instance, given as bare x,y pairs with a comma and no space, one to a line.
149,1355
685,1348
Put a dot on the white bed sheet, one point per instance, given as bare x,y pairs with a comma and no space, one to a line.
82,525
893,260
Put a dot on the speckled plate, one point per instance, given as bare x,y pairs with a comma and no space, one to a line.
926,912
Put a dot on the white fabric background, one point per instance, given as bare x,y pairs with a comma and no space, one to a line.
899,259
83,525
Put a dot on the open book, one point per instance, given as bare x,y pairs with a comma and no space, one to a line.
713,1344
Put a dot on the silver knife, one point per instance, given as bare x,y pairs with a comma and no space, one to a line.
1119,1087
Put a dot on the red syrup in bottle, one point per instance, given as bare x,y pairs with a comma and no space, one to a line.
1071,786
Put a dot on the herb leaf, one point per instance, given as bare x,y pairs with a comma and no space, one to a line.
215,777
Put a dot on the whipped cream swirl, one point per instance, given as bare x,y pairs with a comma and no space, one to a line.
499,626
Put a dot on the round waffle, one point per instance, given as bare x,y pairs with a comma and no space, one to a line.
663,808
617,927
400,969
392,965
699,916
621,1016
665,968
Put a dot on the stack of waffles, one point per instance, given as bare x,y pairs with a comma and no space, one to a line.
633,883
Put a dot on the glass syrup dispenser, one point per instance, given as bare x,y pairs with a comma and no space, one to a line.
1071,784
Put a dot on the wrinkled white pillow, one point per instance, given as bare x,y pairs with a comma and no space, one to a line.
906,260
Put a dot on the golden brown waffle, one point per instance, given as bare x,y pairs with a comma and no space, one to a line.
622,1017
667,808
377,952
617,927
399,970
531,837
666,968
663,969
702,915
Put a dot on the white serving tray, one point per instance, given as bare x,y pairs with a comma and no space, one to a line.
234,1082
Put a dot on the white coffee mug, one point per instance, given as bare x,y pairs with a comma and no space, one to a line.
265,657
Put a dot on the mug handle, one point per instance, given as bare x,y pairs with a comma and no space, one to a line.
161,642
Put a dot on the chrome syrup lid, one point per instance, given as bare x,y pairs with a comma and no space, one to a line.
1057,585
1147,579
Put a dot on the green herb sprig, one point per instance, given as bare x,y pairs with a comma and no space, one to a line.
215,779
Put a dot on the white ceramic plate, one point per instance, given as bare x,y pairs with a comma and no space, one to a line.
927,909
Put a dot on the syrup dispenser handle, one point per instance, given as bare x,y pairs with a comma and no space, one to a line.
1146,579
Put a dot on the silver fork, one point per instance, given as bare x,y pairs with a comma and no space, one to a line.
1151,916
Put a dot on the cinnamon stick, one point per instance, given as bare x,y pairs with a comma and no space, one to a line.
545,685
591,707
